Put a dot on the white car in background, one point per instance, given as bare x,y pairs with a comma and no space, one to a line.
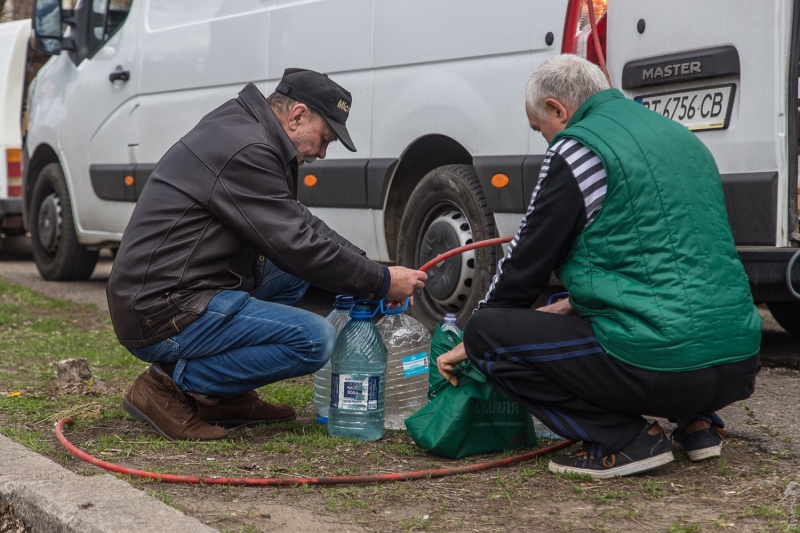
437,93
13,52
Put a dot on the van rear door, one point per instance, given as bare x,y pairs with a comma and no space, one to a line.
721,67
13,52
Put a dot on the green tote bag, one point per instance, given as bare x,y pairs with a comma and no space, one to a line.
475,417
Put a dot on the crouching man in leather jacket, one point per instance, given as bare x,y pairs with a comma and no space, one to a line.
217,253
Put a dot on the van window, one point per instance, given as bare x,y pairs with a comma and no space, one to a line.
105,18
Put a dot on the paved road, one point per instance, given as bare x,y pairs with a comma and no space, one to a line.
777,346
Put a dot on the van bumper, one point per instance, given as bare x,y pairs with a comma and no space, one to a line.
10,207
766,268
11,215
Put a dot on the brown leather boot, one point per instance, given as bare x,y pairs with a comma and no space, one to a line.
243,409
155,399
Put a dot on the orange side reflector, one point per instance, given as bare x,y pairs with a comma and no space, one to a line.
500,180
310,180
13,155
128,180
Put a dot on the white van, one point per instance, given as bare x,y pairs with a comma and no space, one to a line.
13,52
437,88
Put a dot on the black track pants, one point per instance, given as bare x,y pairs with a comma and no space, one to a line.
555,368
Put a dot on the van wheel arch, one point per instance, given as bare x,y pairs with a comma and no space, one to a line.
446,210
42,156
423,155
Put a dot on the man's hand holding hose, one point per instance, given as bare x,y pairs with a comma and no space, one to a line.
404,282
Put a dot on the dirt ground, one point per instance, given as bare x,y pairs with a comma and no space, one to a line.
745,490
754,486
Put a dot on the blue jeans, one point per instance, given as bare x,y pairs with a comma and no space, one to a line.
247,340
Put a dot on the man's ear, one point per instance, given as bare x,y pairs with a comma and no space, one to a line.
298,114
558,109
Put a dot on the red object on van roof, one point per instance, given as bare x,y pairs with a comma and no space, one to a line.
578,31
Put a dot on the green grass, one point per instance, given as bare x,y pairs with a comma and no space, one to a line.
609,497
765,511
35,333
653,489
575,477
165,497
32,440
536,467
291,391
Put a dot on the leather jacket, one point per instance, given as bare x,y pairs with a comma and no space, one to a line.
219,205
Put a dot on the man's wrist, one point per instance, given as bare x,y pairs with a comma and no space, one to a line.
387,283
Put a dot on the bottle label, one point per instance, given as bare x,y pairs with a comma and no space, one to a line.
416,364
349,392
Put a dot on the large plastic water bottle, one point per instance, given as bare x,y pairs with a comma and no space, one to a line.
358,379
449,324
409,345
322,377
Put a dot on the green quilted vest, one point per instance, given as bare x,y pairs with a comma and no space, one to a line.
656,272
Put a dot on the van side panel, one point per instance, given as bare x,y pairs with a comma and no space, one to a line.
421,31
13,52
459,69
188,44
325,36
13,48
334,37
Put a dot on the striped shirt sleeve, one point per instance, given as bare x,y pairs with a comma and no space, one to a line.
589,173
570,193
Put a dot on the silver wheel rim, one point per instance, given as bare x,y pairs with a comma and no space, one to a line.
450,282
49,223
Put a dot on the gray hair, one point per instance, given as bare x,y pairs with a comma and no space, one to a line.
567,78
282,105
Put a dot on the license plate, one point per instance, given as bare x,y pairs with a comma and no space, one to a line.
707,108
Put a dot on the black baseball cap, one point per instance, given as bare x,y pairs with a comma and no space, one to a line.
321,94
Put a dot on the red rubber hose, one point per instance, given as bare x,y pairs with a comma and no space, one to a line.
596,38
461,249
286,482
334,480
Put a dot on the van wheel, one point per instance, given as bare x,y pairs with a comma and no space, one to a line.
56,250
787,314
446,210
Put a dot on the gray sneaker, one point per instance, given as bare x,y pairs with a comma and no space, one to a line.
704,443
644,453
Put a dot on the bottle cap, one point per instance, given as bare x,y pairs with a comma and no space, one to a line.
344,302
360,312
450,317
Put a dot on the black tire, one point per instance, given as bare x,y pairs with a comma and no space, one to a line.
56,250
447,209
787,314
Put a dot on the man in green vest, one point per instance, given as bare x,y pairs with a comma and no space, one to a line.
629,215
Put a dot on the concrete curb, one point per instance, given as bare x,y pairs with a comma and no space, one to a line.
50,498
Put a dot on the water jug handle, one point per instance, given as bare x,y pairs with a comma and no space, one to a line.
556,295
403,309
370,303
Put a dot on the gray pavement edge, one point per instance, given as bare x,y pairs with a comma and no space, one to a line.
50,498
